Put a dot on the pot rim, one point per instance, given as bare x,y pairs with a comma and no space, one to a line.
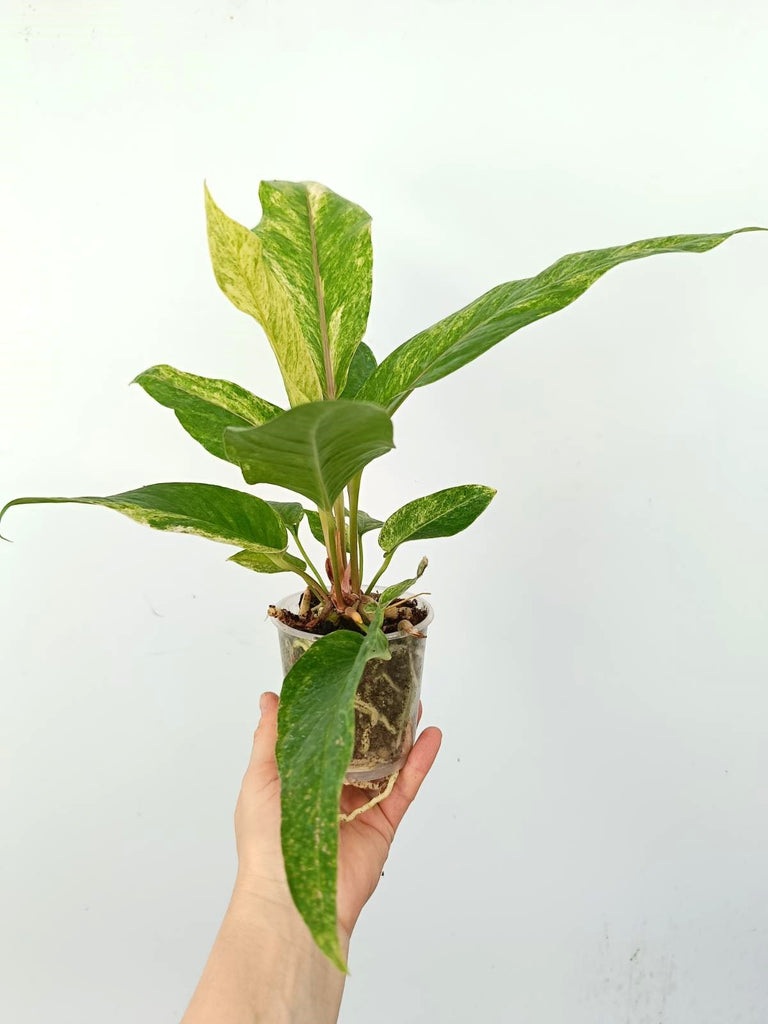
291,602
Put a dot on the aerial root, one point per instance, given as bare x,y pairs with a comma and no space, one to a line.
373,801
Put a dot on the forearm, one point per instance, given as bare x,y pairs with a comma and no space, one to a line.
265,967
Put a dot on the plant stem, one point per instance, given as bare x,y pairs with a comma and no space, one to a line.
385,565
330,535
341,545
353,490
360,558
308,560
319,592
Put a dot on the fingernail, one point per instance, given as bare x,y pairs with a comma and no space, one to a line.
262,698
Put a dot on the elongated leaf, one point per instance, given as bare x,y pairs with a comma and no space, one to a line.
314,449
268,561
250,282
464,335
290,512
360,369
319,246
315,739
394,591
218,513
441,514
204,406
305,275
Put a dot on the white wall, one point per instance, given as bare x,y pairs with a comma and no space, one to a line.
592,846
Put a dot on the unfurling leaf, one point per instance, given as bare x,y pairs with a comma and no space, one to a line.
466,334
393,592
207,510
441,514
314,449
204,406
315,739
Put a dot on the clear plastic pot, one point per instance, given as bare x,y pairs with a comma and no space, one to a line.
387,700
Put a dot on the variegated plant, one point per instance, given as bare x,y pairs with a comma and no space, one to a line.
304,273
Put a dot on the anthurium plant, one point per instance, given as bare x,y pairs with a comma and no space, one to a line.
304,273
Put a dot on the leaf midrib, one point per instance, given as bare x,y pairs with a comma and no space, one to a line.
330,383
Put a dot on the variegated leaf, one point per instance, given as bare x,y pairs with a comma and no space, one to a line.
314,449
204,406
207,510
315,739
305,275
268,561
441,514
464,335
249,281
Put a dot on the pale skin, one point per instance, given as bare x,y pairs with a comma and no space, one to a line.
264,965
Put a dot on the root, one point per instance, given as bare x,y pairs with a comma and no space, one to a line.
373,801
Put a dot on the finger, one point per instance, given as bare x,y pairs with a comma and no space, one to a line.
420,760
263,752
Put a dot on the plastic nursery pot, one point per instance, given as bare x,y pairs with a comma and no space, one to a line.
387,699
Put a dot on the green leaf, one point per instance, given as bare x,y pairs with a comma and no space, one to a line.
315,525
204,406
250,282
304,273
315,739
365,523
314,449
207,510
441,514
268,561
395,591
466,334
291,512
360,369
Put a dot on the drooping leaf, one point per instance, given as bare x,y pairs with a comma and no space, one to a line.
291,512
207,510
305,275
360,369
315,739
250,282
314,449
268,561
204,406
441,514
395,591
464,335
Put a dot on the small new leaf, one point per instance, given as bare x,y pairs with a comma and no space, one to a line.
268,561
441,514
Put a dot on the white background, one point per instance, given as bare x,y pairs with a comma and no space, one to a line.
592,845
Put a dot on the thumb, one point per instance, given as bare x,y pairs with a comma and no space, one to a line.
263,753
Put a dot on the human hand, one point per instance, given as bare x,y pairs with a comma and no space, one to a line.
364,843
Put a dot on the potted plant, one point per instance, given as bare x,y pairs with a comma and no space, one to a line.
352,651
